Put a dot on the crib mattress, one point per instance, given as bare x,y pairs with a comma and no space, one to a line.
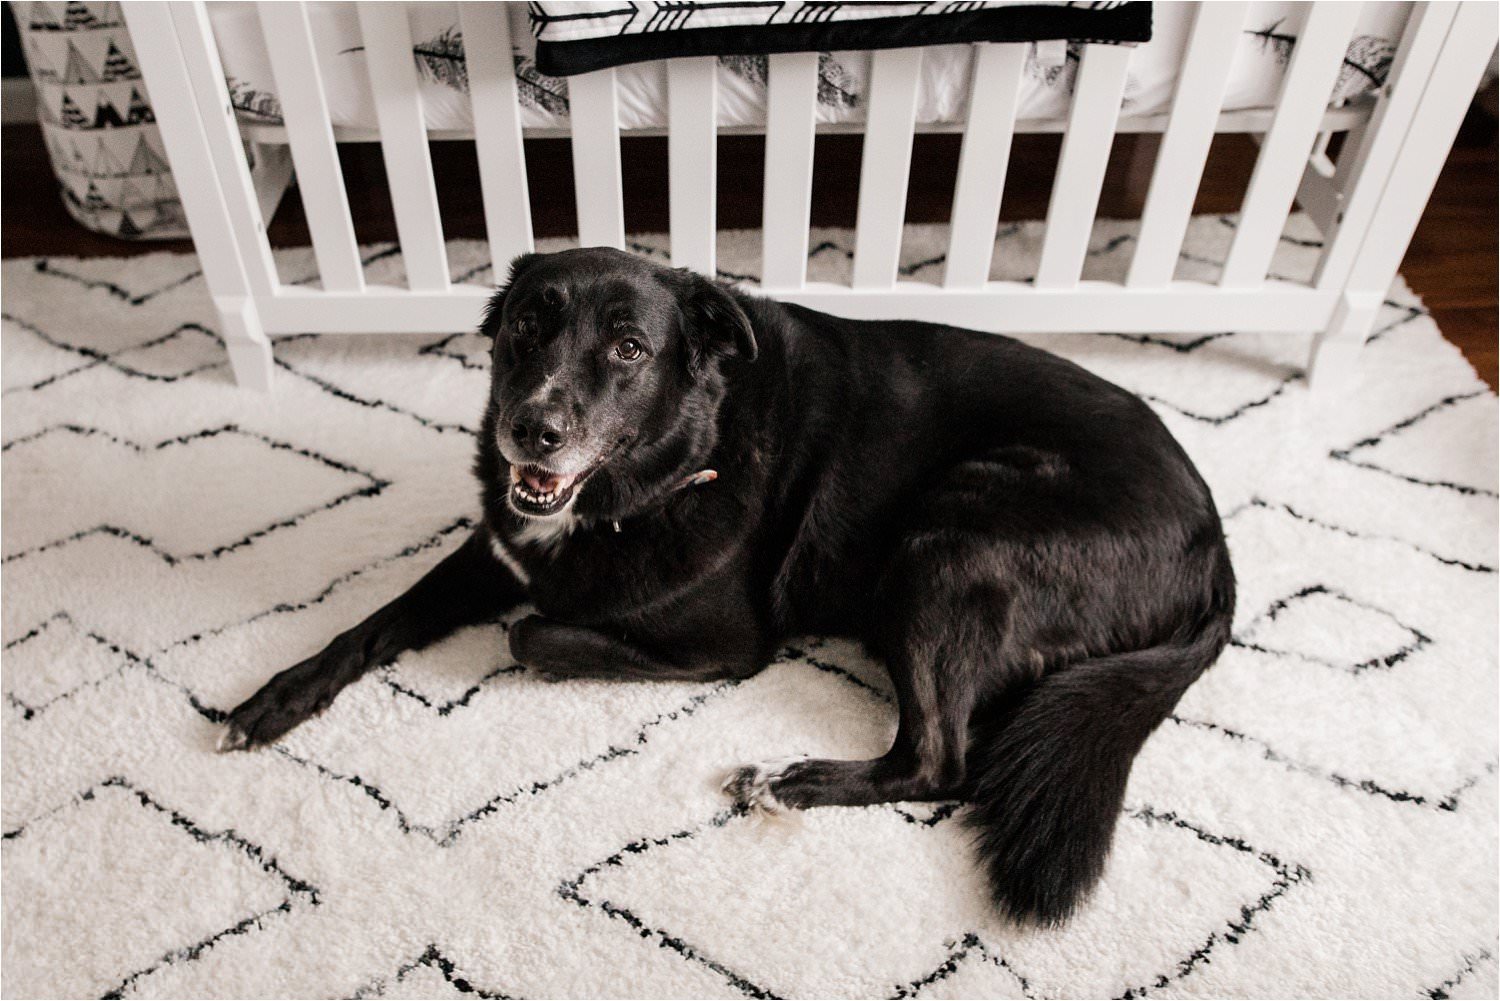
1261,60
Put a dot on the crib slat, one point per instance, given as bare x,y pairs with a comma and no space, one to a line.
1316,60
994,95
692,146
403,144
885,166
497,131
1455,75
1446,90
294,66
211,210
1097,92
1374,147
594,101
1184,147
791,107
201,58
187,143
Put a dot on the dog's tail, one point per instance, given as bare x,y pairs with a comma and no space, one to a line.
1049,775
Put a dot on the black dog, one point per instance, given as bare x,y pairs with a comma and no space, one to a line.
680,477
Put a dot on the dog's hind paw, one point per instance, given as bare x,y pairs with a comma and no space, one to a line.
751,787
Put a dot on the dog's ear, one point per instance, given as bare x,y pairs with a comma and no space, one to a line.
713,322
490,324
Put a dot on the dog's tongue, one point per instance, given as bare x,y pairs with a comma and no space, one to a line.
541,481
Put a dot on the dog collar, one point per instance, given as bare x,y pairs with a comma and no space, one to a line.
697,479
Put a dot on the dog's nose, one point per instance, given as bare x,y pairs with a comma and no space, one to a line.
541,433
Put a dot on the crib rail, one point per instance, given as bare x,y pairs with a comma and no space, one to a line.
1253,121
1354,200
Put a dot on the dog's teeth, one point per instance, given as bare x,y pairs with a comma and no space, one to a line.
533,496
523,491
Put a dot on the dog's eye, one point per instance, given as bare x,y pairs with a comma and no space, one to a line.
525,339
629,349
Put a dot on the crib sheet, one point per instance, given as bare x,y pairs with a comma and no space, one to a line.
1261,59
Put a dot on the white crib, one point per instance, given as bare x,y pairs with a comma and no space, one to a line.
1367,204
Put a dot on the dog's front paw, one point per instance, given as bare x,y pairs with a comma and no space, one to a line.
256,722
520,636
292,697
234,738
528,649
753,787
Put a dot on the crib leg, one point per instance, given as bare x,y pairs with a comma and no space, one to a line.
1333,365
245,339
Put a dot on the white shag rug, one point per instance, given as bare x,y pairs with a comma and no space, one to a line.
1317,819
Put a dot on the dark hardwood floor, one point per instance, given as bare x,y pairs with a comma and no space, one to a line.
1452,262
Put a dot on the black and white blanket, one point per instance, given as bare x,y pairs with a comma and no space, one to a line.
582,37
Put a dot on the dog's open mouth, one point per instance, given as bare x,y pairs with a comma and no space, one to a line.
539,492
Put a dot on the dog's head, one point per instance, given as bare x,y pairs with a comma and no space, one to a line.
602,362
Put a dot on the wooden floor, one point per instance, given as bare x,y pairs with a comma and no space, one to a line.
1452,263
